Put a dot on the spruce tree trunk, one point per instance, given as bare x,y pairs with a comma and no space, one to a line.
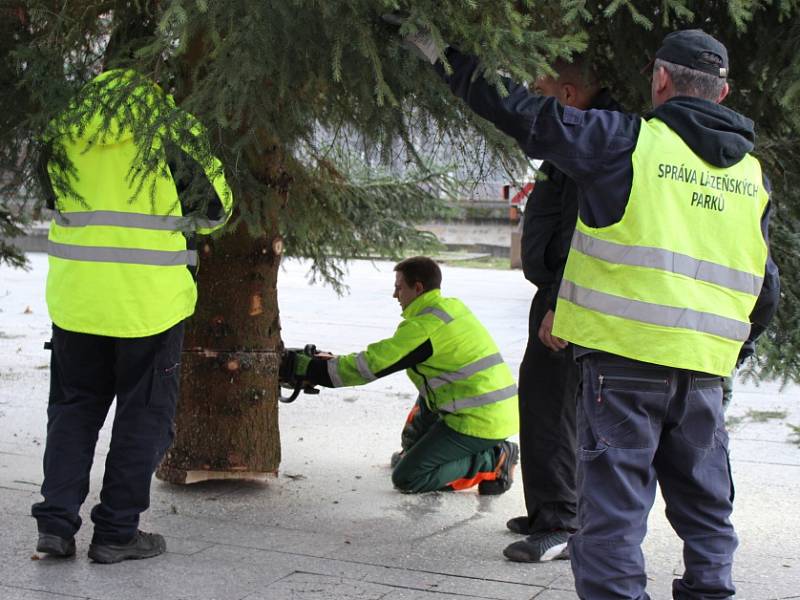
227,418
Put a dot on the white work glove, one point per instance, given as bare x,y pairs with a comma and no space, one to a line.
421,42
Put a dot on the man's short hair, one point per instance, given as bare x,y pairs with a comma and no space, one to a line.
691,82
578,71
420,269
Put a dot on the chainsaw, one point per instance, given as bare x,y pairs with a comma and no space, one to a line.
286,375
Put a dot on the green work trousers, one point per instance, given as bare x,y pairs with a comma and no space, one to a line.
436,457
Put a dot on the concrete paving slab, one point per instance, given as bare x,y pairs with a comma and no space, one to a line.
247,535
763,591
11,593
554,595
179,545
320,587
400,594
171,575
402,577
15,502
473,552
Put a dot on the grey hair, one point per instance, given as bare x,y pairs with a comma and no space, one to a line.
689,82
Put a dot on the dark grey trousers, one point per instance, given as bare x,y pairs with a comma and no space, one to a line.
638,424
547,386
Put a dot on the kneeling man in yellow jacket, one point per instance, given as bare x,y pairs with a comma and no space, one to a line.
455,436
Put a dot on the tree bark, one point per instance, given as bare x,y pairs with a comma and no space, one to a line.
227,419
226,425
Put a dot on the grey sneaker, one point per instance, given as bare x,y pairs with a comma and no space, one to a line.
507,459
540,547
55,545
143,545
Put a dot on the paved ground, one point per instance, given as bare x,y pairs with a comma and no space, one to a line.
331,526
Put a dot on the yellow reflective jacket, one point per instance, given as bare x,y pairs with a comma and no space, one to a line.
453,361
118,258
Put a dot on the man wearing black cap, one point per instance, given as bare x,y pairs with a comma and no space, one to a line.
667,284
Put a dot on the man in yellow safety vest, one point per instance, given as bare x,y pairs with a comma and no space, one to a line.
455,437
119,287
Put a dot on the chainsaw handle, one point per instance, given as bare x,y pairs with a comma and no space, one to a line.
289,378
291,397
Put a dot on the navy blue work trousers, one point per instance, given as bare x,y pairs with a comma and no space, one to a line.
86,373
637,424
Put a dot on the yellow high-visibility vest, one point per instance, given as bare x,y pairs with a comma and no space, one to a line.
672,283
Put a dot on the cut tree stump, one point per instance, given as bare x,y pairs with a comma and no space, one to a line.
227,419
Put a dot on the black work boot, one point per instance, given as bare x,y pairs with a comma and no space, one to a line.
55,545
507,460
396,458
143,545
519,525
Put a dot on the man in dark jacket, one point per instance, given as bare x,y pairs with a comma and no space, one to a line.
658,310
548,375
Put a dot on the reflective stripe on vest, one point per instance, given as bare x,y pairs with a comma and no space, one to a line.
135,256
665,260
333,372
481,400
134,220
655,314
363,367
436,312
467,371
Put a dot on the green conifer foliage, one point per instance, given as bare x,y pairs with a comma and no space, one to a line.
326,122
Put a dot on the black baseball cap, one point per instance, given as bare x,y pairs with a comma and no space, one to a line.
695,49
